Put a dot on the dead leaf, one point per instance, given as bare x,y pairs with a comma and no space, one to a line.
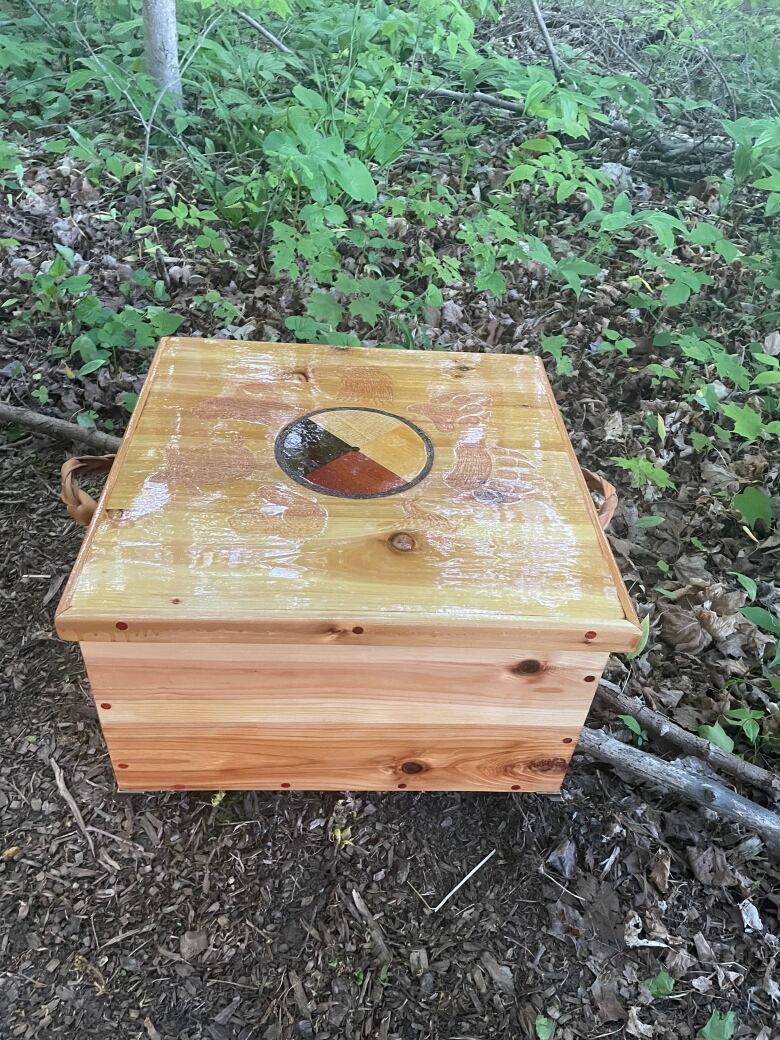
563,858
692,570
605,996
703,949
659,875
683,631
499,973
710,867
750,917
633,931
613,427
719,628
772,344
636,1028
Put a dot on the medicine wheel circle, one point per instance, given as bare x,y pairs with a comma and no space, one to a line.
354,452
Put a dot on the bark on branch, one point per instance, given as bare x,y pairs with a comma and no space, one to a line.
700,790
267,34
672,147
58,428
554,61
654,722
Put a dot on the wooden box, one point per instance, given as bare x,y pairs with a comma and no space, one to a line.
337,568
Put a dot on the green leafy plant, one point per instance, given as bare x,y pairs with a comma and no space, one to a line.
644,472
631,724
768,623
755,508
555,346
661,985
719,1026
544,1028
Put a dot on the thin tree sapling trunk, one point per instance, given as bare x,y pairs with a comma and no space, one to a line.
161,46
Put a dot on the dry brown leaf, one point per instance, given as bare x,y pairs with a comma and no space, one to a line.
718,627
710,867
659,875
683,631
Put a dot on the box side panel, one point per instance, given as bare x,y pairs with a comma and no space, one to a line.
243,716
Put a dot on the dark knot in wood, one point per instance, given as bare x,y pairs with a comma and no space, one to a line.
548,765
527,667
412,767
401,541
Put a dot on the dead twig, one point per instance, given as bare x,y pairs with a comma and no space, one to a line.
70,801
673,147
554,60
377,935
690,743
460,884
267,34
58,428
462,95
692,786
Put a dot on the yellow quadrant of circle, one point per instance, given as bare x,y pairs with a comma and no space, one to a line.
400,450
356,427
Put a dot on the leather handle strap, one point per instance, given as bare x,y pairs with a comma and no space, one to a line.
81,506
608,492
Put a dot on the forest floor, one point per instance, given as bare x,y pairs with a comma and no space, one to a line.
610,911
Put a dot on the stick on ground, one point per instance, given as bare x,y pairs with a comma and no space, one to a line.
690,743
699,790
58,428
554,59
70,801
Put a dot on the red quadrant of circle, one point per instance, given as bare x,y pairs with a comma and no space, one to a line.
355,474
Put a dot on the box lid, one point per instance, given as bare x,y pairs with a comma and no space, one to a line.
273,492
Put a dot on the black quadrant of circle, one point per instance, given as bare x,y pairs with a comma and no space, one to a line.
308,446
302,435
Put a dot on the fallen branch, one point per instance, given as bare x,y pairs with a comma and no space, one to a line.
266,34
58,428
476,95
699,790
70,801
673,147
690,743
554,61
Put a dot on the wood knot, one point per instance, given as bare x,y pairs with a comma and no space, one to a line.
402,541
413,767
528,667
548,765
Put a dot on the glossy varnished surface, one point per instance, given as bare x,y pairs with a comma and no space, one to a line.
202,534
242,715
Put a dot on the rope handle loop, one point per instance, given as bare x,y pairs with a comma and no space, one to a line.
607,491
81,506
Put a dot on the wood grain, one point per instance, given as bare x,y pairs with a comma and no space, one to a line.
339,717
367,759
513,552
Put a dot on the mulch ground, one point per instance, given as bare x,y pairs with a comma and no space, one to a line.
303,915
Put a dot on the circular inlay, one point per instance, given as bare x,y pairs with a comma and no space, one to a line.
354,452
